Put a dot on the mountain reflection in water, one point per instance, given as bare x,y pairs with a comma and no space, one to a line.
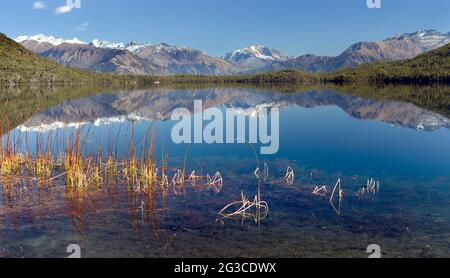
159,104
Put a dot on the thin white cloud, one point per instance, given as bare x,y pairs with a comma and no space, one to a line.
64,9
70,5
39,5
81,28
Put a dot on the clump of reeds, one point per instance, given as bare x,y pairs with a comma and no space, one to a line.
83,170
11,164
44,166
372,187
10,161
246,209
290,176
75,169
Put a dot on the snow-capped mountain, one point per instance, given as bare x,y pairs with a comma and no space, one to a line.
135,46
256,51
399,47
427,39
255,56
132,46
41,38
127,58
107,44
163,59
182,60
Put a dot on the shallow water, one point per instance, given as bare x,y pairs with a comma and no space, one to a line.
324,136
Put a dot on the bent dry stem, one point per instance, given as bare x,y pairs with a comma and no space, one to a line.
244,210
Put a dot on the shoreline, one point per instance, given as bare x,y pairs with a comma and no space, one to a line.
226,80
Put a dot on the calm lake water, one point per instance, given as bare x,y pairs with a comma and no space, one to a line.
323,136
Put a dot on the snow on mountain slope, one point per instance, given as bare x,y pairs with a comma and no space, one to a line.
399,47
255,56
132,46
164,59
41,38
427,39
256,51
107,44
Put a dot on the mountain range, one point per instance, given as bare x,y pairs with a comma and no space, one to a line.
163,59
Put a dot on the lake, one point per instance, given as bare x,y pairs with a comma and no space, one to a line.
391,156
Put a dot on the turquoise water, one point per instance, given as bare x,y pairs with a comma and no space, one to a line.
324,136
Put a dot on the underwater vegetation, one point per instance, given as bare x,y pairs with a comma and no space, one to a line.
81,170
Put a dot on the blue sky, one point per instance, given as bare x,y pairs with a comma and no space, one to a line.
324,27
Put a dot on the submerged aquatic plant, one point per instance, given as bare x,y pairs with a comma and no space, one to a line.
337,188
320,191
215,182
245,209
86,170
290,176
178,181
372,187
193,178
257,172
266,171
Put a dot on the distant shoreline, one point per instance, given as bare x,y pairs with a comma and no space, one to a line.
288,77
